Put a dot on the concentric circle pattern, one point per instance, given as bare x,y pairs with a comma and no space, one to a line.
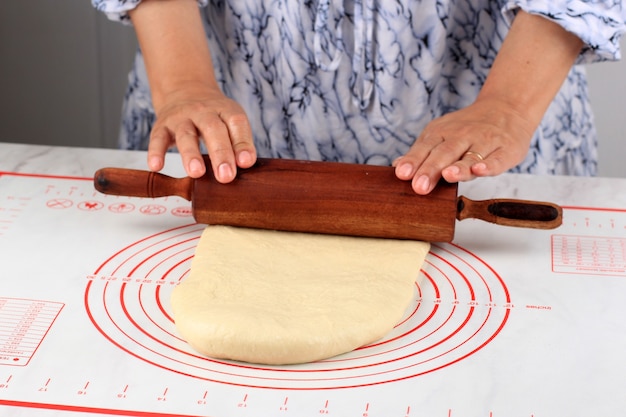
460,305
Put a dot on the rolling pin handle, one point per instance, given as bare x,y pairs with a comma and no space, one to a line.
137,183
507,212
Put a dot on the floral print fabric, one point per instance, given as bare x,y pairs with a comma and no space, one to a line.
357,80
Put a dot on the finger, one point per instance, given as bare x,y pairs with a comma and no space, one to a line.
186,136
241,139
423,184
498,162
160,141
407,165
462,170
470,167
428,174
217,140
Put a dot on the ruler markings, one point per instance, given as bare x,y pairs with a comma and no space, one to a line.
25,323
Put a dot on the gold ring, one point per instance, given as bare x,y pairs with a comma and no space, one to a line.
472,153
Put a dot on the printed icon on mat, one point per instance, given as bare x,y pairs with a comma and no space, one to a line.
59,203
153,209
122,207
182,211
90,205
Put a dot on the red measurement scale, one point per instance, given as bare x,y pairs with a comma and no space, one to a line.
23,325
10,209
589,254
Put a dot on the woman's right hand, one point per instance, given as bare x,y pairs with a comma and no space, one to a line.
197,113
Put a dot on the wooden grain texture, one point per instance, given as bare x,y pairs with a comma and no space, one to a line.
511,212
138,183
329,198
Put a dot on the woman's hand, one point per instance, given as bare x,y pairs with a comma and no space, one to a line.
485,138
197,112
187,100
493,134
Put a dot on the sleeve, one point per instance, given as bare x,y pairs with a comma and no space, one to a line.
117,10
599,24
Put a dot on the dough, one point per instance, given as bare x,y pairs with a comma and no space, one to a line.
275,298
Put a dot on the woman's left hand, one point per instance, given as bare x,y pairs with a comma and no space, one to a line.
493,134
486,138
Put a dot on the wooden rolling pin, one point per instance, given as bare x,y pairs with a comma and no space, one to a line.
329,198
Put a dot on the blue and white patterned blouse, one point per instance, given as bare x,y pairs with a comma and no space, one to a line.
357,80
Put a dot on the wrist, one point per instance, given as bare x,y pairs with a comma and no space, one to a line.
182,89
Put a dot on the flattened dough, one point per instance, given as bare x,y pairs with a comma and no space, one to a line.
281,298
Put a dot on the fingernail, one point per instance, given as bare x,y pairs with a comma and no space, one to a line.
404,171
245,158
224,172
154,163
422,184
479,166
195,167
453,169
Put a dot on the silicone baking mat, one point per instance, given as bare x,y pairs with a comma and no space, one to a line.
504,322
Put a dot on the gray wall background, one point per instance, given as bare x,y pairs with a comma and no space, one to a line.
63,73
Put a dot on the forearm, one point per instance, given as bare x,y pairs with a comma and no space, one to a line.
174,46
531,66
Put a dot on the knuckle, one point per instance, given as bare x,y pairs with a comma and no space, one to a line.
187,134
160,135
219,147
235,119
210,124
185,129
